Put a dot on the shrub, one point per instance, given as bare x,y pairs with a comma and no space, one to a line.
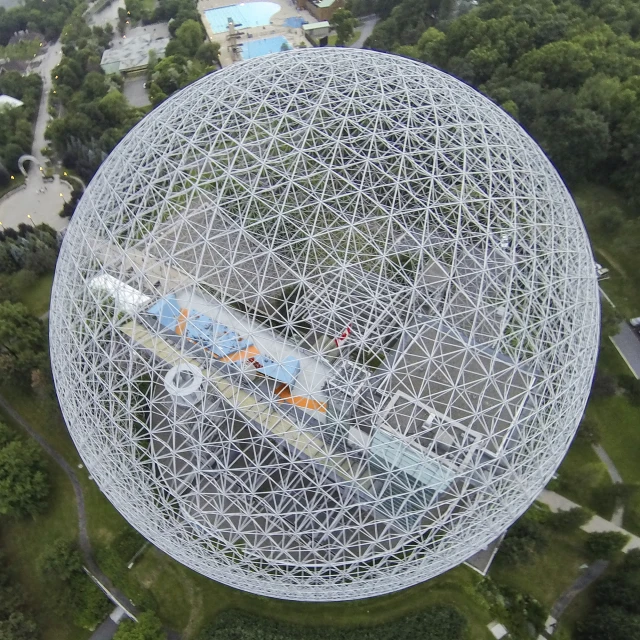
524,540
24,484
588,431
567,521
605,544
440,622
61,565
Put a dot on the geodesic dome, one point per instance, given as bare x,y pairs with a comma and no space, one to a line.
324,323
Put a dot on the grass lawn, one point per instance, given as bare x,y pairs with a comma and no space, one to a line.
551,572
620,287
187,599
12,184
580,477
619,421
333,38
620,436
36,298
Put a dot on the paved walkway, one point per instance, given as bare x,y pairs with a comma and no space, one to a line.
42,201
365,27
83,535
586,578
597,524
628,345
616,478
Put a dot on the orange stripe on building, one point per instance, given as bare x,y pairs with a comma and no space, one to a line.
182,321
301,401
244,354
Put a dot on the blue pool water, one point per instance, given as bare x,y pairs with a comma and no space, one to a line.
295,22
255,48
247,14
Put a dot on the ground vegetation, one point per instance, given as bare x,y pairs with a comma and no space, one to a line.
189,54
344,24
614,604
76,594
148,627
47,19
565,66
434,623
24,483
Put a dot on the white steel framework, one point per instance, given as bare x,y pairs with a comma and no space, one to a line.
324,323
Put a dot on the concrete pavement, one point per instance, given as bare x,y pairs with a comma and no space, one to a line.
556,503
628,345
105,15
586,578
616,478
365,27
42,201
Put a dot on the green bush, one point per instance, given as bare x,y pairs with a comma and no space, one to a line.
441,622
24,482
524,540
605,544
77,594
148,627
568,521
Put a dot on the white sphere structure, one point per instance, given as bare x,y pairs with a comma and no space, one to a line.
324,323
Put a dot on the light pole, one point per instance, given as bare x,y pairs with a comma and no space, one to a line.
31,220
63,198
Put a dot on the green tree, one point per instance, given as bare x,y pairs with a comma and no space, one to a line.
148,627
208,53
190,35
24,485
605,544
61,566
609,623
114,107
22,342
568,521
344,24
18,626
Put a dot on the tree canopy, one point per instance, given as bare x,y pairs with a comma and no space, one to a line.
344,25
24,483
614,613
148,627
22,342
567,70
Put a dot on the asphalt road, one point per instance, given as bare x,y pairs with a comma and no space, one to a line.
587,577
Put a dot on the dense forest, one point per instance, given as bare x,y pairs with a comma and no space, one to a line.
567,70
32,15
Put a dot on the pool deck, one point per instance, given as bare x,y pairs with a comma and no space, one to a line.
276,28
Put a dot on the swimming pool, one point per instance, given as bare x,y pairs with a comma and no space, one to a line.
295,22
263,47
246,14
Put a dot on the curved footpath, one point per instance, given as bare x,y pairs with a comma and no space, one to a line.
83,535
